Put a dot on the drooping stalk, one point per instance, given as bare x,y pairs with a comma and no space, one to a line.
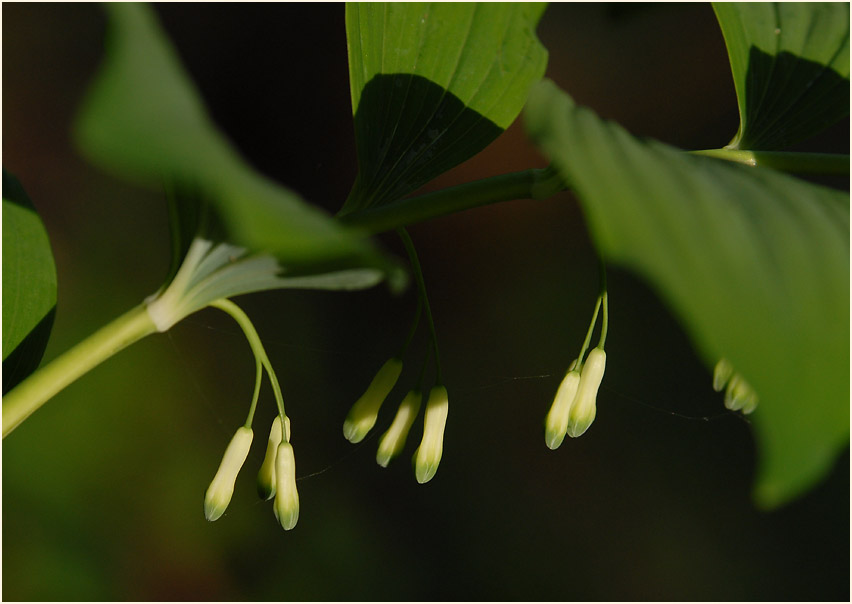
421,287
605,321
258,378
257,348
605,303
588,339
413,329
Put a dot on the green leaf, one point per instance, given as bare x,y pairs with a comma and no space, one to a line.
29,285
432,85
754,263
144,121
790,63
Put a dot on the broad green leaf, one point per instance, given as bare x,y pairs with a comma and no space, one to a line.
144,121
29,285
755,264
432,85
790,63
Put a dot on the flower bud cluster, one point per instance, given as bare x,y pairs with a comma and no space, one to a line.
277,476
572,412
739,395
362,417
574,406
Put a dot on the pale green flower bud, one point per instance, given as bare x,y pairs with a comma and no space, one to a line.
286,506
219,492
556,423
721,374
582,412
394,439
740,396
362,416
266,475
428,454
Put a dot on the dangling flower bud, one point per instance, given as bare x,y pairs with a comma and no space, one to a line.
362,416
556,423
286,506
394,439
428,454
721,374
219,492
740,396
266,475
582,412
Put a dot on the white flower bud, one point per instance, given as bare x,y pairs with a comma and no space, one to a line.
428,454
556,423
219,492
286,505
582,412
266,475
394,439
362,416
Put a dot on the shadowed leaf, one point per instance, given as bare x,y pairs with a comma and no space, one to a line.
432,85
790,63
29,285
755,264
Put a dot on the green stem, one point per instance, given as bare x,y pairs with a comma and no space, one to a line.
529,184
543,183
588,334
797,163
422,375
421,287
250,332
413,328
605,321
258,378
39,387
605,303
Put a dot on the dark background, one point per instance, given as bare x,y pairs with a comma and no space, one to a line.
102,488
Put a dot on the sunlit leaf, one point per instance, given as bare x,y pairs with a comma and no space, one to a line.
753,262
790,63
432,85
144,121
29,285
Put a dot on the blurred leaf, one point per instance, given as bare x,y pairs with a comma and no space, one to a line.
755,263
144,121
29,285
790,63
432,85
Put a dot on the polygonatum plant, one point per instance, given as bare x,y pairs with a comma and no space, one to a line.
751,258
